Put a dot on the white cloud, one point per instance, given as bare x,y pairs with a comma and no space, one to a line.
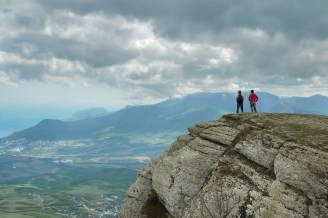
4,78
160,50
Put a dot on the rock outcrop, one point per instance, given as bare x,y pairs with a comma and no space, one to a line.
243,165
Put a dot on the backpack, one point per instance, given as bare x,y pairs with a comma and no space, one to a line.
240,99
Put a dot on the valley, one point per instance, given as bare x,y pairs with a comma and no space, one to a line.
83,167
71,178
38,187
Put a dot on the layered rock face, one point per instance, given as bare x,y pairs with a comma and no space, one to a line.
243,165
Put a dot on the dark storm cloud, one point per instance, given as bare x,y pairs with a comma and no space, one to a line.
295,18
166,48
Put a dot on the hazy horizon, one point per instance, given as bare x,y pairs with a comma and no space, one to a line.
15,117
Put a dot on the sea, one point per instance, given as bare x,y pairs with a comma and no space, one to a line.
18,117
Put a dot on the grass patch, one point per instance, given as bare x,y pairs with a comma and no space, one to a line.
95,187
15,215
301,133
241,135
38,215
228,170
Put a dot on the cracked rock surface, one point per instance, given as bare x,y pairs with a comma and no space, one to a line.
243,165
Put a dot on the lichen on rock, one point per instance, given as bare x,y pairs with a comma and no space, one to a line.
243,165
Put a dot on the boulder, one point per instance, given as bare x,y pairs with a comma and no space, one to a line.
243,165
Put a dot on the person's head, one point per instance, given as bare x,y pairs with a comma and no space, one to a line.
239,92
252,91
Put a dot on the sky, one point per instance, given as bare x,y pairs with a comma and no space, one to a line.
113,53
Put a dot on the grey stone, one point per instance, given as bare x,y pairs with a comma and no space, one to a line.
218,171
303,168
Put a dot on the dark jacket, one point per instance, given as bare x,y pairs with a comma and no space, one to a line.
240,98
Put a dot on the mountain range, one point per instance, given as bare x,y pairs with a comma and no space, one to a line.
167,116
95,154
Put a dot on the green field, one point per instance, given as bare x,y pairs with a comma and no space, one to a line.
83,178
37,187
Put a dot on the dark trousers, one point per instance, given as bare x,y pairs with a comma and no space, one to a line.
241,106
253,107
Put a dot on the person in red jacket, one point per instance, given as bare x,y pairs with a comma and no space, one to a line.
252,98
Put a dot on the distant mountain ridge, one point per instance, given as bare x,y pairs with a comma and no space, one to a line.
90,112
169,115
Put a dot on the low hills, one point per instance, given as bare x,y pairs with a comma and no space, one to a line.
90,112
167,116
122,141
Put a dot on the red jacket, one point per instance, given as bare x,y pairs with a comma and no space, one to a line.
253,97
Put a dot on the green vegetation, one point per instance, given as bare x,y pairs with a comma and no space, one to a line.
288,127
38,215
295,131
241,135
95,178
50,189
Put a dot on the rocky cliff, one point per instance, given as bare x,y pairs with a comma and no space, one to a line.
243,165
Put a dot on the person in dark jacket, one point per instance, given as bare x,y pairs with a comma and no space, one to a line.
240,102
253,98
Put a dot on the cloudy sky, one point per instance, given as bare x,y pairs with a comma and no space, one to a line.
116,52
